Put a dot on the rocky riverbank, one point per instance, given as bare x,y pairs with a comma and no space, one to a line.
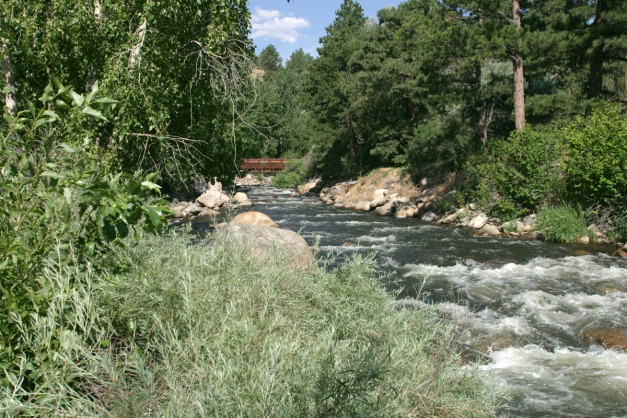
389,192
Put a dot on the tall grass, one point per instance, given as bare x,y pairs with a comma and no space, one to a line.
564,223
208,331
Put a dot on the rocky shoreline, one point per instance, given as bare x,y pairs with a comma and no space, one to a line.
427,203
387,193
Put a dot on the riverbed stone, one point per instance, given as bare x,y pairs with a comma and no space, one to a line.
311,187
240,197
384,210
609,338
622,252
212,199
192,209
448,219
255,218
337,190
379,201
489,230
280,247
478,221
407,210
429,217
363,205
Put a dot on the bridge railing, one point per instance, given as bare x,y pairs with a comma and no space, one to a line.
263,165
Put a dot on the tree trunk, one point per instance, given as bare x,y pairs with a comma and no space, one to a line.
135,56
8,73
519,77
597,56
351,140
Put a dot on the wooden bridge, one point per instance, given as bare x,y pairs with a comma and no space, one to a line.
263,165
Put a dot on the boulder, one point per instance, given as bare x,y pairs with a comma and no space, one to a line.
488,229
349,205
407,210
282,247
215,186
622,252
240,197
384,210
478,222
380,201
531,235
530,220
429,217
338,190
609,338
363,205
255,218
311,187
213,199
192,209
448,219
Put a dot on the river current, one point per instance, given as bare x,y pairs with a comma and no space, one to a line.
527,304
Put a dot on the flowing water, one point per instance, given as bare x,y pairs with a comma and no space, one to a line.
527,304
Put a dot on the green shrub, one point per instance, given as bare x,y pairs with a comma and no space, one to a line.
597,163
57,198
294,174
564,223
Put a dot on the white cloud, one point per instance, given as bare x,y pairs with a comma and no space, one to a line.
273,24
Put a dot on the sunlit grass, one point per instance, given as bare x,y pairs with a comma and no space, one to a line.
208,331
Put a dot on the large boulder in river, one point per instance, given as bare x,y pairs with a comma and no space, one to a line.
213,199
622,252
270,245
255,218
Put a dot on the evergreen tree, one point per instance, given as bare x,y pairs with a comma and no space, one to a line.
331,87
269,60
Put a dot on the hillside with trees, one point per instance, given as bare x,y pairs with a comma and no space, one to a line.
523,99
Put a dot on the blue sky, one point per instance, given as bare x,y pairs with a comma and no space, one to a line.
299,24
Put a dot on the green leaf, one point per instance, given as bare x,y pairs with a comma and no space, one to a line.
150,185
93,112
78,99
51,114
65,147
67,193
52,174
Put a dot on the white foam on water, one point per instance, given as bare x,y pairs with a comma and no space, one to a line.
557,276
573,313
563,382
369,238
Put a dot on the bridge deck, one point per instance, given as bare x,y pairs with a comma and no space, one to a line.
263,165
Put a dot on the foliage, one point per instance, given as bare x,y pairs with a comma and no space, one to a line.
563,223
208,330
58,199
176,69
597,158
294,174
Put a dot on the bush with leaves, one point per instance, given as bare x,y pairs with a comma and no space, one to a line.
58,198
294,173
597,158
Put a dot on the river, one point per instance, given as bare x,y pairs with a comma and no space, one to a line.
526,303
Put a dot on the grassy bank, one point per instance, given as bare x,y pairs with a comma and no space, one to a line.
208,331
